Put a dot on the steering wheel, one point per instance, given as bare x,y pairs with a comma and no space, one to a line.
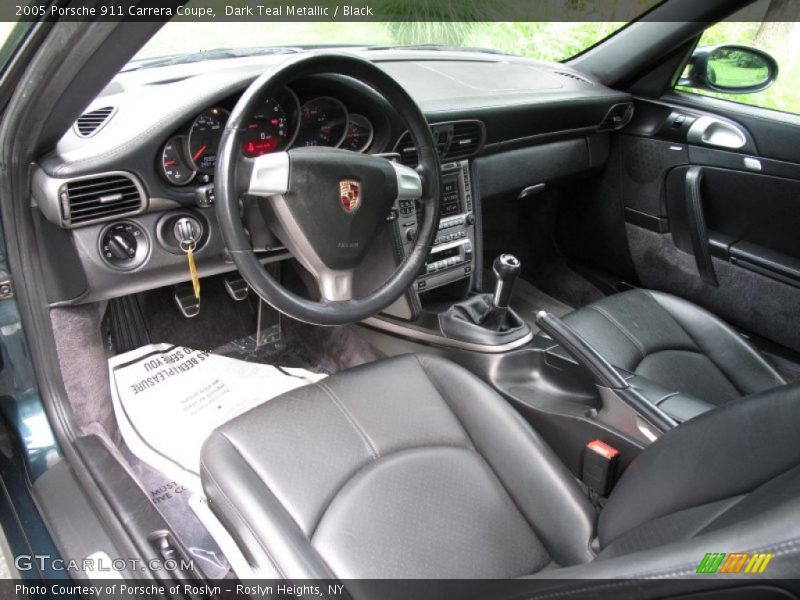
326,205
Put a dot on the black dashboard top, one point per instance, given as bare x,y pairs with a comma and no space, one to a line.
515,98
143,152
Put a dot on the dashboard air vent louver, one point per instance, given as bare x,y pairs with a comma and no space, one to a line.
91,122
466,139
407,151
454,140
99,198
574,76
617,117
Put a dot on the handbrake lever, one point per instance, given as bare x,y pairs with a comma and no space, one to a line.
604,373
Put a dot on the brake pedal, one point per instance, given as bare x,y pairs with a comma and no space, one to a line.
237,288
188,304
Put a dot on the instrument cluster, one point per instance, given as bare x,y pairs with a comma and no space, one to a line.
280,123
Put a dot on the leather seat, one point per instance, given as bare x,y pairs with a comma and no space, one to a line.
672,345
412,467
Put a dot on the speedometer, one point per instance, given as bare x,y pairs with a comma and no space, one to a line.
323,122
204,137
273,126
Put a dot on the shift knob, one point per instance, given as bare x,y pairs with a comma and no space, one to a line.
506,270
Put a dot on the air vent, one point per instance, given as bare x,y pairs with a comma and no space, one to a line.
91,122
100,198
466,139
454,140
617,117
407,151
574,76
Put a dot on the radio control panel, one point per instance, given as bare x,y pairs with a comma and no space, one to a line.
452,256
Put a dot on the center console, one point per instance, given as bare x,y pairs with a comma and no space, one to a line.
450,312
444,306
453,255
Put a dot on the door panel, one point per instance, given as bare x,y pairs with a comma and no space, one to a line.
746,215
732,213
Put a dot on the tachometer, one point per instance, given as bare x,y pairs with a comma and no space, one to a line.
359,133
204,136
174,166
323,122
273,126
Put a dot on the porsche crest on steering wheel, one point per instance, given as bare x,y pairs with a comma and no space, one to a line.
350,194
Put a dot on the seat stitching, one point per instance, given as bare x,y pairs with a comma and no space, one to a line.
697,345
288,516
443,399
665,397
751,351
494,472
712,518
235,508
622,329
350,418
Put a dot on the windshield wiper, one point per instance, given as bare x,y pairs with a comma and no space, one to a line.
215,54
438,48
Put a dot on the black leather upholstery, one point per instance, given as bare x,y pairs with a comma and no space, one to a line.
676,345
724,467
414,450
412,467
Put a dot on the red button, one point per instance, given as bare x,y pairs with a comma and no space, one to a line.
602,449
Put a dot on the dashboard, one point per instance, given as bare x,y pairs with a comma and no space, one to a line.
139,162
280,123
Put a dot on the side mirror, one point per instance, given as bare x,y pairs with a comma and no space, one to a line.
730,69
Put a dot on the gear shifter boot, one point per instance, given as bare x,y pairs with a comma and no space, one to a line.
480,310
478,320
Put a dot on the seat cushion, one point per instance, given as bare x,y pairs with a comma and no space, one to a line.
674,343
407,467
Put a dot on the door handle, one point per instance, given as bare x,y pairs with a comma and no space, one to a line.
709,131
697,226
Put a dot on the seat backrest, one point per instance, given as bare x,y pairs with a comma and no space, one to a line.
674,343
717,471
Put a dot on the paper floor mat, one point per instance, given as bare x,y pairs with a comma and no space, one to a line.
168,399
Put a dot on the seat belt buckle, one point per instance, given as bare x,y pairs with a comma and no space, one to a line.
599,467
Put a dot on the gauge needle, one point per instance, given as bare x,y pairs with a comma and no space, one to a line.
169,163
199,153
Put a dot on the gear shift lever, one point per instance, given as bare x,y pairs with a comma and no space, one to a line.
506,269
487,318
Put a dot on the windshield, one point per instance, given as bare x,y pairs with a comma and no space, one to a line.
553,40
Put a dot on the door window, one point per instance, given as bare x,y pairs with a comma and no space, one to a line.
768,26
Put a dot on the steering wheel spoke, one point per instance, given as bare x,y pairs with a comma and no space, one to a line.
269,175
335,285
409,182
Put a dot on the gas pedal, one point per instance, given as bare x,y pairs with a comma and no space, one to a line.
187,303
237,288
